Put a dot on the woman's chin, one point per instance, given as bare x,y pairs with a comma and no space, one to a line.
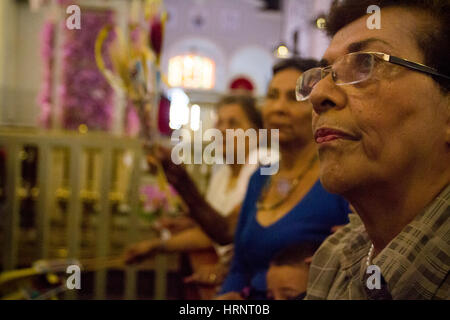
335,182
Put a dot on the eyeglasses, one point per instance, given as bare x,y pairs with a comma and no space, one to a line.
353,68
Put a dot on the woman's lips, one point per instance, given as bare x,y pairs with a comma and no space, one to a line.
323,135
327,138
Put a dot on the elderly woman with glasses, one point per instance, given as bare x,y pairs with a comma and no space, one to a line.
381,121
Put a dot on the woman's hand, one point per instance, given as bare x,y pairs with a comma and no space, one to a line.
230,296
142,250
212,222
176,175
208,275
336,228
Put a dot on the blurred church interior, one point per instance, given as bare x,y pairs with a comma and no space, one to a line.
74,185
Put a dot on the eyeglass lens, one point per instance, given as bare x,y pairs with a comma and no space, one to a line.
351,68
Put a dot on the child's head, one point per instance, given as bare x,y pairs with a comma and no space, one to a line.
287,276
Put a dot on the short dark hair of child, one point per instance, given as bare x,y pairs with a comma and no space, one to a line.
295,254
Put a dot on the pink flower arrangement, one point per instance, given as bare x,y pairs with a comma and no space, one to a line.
155,202
86,97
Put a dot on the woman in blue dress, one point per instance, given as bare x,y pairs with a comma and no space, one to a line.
290,206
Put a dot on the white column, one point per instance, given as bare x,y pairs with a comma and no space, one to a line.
8,54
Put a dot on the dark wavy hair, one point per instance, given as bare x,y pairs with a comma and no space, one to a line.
295,254
248,105
432,37
299,64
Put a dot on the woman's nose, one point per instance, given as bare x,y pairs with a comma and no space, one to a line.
327,95
277,105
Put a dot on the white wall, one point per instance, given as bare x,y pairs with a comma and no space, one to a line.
299,15
229,29
253,62
8,30
20,63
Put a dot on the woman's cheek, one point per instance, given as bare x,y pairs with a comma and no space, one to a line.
303,123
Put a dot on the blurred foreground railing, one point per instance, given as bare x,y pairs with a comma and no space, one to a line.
71,195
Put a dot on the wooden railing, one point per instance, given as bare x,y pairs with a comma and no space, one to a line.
85,198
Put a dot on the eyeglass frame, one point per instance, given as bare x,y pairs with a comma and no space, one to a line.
415,66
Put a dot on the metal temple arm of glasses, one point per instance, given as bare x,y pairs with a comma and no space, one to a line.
415,66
